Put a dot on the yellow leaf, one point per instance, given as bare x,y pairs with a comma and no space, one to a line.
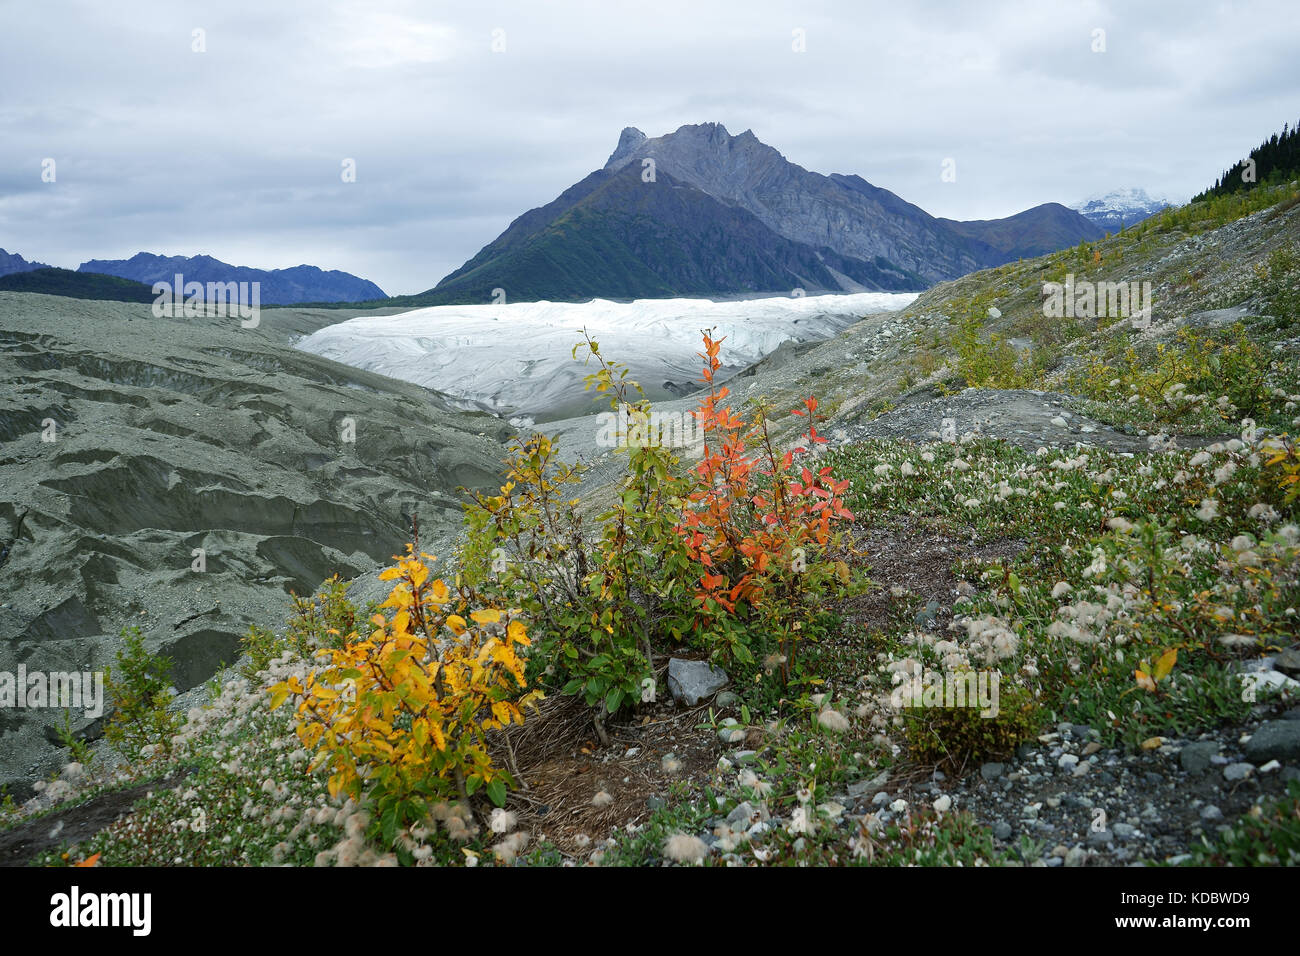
1165,664
516,633
456,623
487,616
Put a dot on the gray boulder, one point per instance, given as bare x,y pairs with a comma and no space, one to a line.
1275,740
692,681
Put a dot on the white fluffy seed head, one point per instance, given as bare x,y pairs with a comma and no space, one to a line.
833,720
510,847
683,848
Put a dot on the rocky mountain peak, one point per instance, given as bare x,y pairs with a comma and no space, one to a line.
628,142
11,262
691,145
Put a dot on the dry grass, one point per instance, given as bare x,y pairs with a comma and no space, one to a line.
560,766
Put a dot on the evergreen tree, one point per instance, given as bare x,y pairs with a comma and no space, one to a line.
1277,160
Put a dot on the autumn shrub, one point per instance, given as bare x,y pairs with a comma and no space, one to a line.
990,361
1200,379
322,619
400,715
961,736
730,555
1283,463
762,528
259,646
594,602
138,688
1278,282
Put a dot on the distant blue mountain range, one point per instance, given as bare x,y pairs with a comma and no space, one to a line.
278,286
11,262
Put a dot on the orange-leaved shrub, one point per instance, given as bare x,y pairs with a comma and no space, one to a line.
762,527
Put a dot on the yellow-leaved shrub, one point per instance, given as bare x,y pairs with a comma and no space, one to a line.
400,716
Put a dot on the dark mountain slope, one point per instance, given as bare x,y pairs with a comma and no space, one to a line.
616,236
1031,233
76,285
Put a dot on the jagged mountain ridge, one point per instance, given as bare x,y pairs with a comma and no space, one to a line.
834,233
12,262
278,286
844,212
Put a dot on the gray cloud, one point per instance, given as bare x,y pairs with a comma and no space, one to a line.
236,151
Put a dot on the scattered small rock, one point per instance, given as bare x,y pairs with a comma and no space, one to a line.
1195,758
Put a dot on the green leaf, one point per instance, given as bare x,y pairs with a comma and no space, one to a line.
614,699
496,791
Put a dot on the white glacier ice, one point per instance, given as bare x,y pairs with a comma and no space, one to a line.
517,359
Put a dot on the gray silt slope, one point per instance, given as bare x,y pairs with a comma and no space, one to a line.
178,434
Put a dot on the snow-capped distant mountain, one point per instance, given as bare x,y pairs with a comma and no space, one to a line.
518,358
1120,207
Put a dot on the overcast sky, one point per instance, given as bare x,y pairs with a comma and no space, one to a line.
237,151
